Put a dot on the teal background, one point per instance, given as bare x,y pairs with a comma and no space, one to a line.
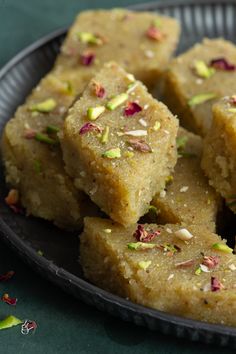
65,325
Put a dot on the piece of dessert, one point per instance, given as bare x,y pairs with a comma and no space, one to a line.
141,42
219,159
197,78
119,146
187,197
188,272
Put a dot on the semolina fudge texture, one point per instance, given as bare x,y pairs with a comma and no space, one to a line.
141,42
30,147
186,272
121,146
198,78
187,197
218,160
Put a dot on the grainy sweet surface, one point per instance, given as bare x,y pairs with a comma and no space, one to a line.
188,198
120,154
198,78
219,161
186,278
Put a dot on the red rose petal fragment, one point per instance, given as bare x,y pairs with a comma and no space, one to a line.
140,145
8,300
154,33
99,90
211,261
185,264
12,200
88,127
87,58
222,64
233,99
132,108
28,326
30,134
7,276
144,236
216,284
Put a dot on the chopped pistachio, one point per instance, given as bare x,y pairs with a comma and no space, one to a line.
181,142
232,110
107,231
152,208
128,154
156,126
198,271
52,129
117,101
9,322
40,253
169,179
222,247
105,135
44,106
112,153
140,245
203,70
144,264
201,98
43,138
157,22
132,86
89,38
94,112
37,166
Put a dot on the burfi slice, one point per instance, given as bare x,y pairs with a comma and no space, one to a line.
187,197
119,147
197,79
219,159
187,272
141,42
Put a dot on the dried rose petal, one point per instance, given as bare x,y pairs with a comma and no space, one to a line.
216,284
99,90
211,261
185,264
30,134
222,64
7,276
28,326
140,145
87,58
132,108
88,127
154,33
233,101
8,300
12,200
144,236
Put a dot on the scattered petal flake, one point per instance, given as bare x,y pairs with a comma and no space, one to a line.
28,326
202,69
232,99
139,145
222,64
143,235
183,234
9,322
112,153
132,108
29,134
87,58
45,106
201,98
186,264
7,276
13,200
154,33
98,89
88,127
222,247
144,264
211,261
94,112
216,284
8,300
136,133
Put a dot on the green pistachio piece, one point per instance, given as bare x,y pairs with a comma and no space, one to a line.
105,135
144,264
181,142
198,271
232,110
9,322
89,38
52,129
222,247
156,126
37,166
112,153
117,101
128,154
44,106
203,70
43,138
201,98
94,112
140,245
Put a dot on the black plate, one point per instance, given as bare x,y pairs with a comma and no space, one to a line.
60,261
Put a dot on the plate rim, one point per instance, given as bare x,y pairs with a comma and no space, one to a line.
16,243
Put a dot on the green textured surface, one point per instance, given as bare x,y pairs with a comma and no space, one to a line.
65,325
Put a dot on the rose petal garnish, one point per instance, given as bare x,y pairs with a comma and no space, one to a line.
222,64
154,33
232,99
28,326
132,108
185,264
99,90
201,98
216,284
7,276
143,235
29,134
12,200
87,58
211,261
88,127
9,322
140,145
8,300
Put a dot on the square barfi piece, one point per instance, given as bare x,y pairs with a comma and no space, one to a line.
119,146
197,78
187,197
219,159
141,42
187,272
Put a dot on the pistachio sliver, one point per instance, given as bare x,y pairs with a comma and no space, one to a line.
43,138
222,247
117,101
156,126
44,106
105,135
144,264
203,70
181,142
52,129
94,112
140,245
201,98
112,153
232,110
9,322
